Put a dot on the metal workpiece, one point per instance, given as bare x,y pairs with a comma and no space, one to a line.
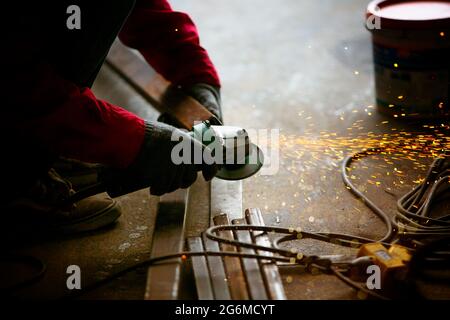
235,277
201,271
252,271
271,275
163,280
216,266
198,207
197,220
233,267
226,196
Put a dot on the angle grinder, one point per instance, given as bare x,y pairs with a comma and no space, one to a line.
241,157
236,155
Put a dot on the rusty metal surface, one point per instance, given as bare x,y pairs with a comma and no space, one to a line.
271,274
217,269
198,207
198,219
233,267
201,270
226,197
253,275
163,280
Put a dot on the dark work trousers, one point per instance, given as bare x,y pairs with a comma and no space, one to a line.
76,55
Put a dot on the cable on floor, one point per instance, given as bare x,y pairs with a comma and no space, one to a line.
413,221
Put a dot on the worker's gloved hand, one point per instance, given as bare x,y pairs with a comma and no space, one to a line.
207,95
155,166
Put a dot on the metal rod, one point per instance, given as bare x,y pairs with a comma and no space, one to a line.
163,281
219,279
226,197
233,268
271,275
252,270
201,271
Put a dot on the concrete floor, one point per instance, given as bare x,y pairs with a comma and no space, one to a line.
305,68
302,67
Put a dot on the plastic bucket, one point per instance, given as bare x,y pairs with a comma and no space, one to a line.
411,53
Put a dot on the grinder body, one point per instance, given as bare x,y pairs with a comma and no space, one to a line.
236,156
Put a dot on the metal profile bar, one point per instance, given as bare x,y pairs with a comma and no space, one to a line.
201,271
226,197
197,220
271,275
219,279
198,207
163,280
233,268
252,271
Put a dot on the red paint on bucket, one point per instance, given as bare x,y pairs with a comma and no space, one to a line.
411,46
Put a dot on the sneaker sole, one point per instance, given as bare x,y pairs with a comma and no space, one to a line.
103,218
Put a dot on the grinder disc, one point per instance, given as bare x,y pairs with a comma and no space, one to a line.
239,172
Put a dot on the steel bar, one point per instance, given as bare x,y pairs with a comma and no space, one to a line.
252,271
233,267
198,208
201,271
163,280
219,279
226,197
271,275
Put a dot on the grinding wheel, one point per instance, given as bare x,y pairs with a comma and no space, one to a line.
242,171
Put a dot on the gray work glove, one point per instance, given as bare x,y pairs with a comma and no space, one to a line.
154,167
207,95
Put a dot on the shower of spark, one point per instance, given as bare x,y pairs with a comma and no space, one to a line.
310,165
327,149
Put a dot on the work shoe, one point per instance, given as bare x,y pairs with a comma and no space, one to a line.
79,174
42,208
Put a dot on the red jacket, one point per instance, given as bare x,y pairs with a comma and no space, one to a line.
80,126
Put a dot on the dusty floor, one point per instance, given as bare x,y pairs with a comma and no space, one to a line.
303,68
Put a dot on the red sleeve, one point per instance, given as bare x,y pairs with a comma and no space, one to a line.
169,42
72,122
